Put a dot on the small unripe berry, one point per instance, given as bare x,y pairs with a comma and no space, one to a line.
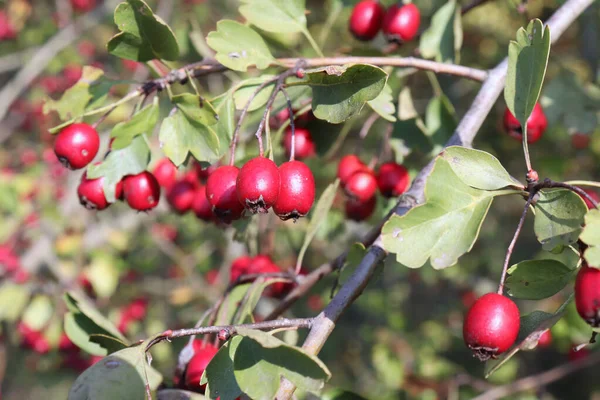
203,354
392,179
366,19
297,191
141,191
165,173
201,206
181,196
258,185
491,326
358,211
222,195
349,165
536,124
91,193
76,145
361,186
587,294
305,147
401,23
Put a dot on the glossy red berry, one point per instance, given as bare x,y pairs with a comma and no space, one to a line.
203,354
141,191
358,211
181,196
361,186
201,206
587,294
76,145
593,195
491,326
258,185
91,193
366,19
392,179
536,124
401,23
83,5
239,267
263,264
305,147
222,195
165,173
545,340
297,191
349,165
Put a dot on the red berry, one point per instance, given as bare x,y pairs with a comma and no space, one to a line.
587,294
202,357
211,276
83,5
361,186
165,172
239,267
76,145
536,124
258,184
119,190
401,23
72,74
545,340
7,30
305,147
181,196
201,206
130,65
222,195
366,19
357,211
91,193
580,141
348,166
593,195
263,264
136,310
65,344
491,326
576,355
141,191
297,191
392,179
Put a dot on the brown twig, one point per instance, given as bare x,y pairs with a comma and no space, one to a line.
292,123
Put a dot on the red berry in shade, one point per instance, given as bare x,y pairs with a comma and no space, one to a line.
593,195
65,344
76,145
305,147
9,261
587,294
263,264
392,179
181,196
72,73
222,194
545,340
201,206
580,141
165,173
258,185
203,354
359,211
141,191
119,190
91,193
361,186
366,19
576,355
536,124
348,166
83,5
401,23
297,191
130,65
211,276
239,267
204,173
491,326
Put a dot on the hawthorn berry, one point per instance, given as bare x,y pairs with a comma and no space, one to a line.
239,267
91,193
361,186
258,185
401,23
593,195
76,145
203,354
222,195
165,173
536,124
181,196
580,141
83,5
491,326
263,264
392,179
366,19
587,294
349,165
305,147
359,211
201,206
7,30
297,191
141,191
545,339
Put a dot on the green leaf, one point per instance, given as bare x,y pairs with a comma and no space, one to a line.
318,217
130,160
339,394
228,310
239,46
196,108
224,128
278,16
103,273
527,61
537,279
443,39
177,394
442,229
477,168
384,104
247,88
121,375
532,327
144,35
591,237
559,216
220,373
246,312
141,123
263,358
13,300
340,92
39,312
440,120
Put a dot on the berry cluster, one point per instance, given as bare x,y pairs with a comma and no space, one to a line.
400,23
360,185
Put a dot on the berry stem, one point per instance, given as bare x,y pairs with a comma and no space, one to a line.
526,149
292,124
